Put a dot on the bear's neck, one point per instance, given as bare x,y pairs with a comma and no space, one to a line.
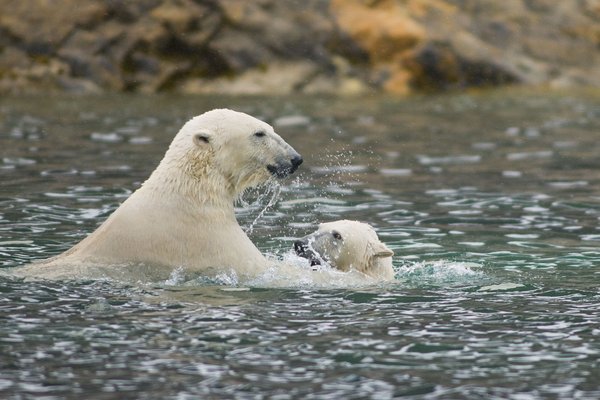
200,192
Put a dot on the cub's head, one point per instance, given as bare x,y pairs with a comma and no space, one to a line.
347,245
234,146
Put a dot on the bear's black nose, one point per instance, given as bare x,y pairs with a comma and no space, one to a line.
300,247
285,167
296,161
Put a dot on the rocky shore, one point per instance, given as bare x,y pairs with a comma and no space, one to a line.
288,46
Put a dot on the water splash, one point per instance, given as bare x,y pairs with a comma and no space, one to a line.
273,189
177,277
441,272
181,278
292,271
506,286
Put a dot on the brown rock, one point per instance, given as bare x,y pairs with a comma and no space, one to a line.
287,46
176,15
239,51
382,28
277,78
39,27
386,33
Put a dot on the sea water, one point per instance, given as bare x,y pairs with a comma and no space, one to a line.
490,201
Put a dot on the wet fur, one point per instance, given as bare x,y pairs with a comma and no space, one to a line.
358,248
183,215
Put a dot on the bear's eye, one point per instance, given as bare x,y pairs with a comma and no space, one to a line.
336,235
260,134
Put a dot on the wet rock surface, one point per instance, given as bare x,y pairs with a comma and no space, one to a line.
285,46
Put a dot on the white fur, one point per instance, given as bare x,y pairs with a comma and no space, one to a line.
351,245
183,215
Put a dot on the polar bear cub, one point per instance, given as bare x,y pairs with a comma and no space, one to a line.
183,215
348,245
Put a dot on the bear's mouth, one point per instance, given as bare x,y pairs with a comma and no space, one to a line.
279,171
284,169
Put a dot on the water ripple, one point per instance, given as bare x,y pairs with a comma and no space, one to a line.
494,226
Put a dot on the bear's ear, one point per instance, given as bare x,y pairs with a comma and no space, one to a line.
379,249
202,138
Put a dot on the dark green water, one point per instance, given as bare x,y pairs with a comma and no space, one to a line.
491,202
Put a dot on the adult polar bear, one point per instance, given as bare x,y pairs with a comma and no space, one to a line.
183,215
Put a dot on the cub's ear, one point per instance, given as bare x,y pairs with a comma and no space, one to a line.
379,249
202,138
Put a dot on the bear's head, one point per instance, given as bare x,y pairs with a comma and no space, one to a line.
233,148
344,245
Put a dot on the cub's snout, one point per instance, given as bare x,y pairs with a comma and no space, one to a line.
303,249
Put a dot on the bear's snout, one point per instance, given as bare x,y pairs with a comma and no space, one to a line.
304,250
300,247
283,168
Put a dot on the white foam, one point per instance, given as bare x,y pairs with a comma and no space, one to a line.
439,271
177,277
501,287
292,271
